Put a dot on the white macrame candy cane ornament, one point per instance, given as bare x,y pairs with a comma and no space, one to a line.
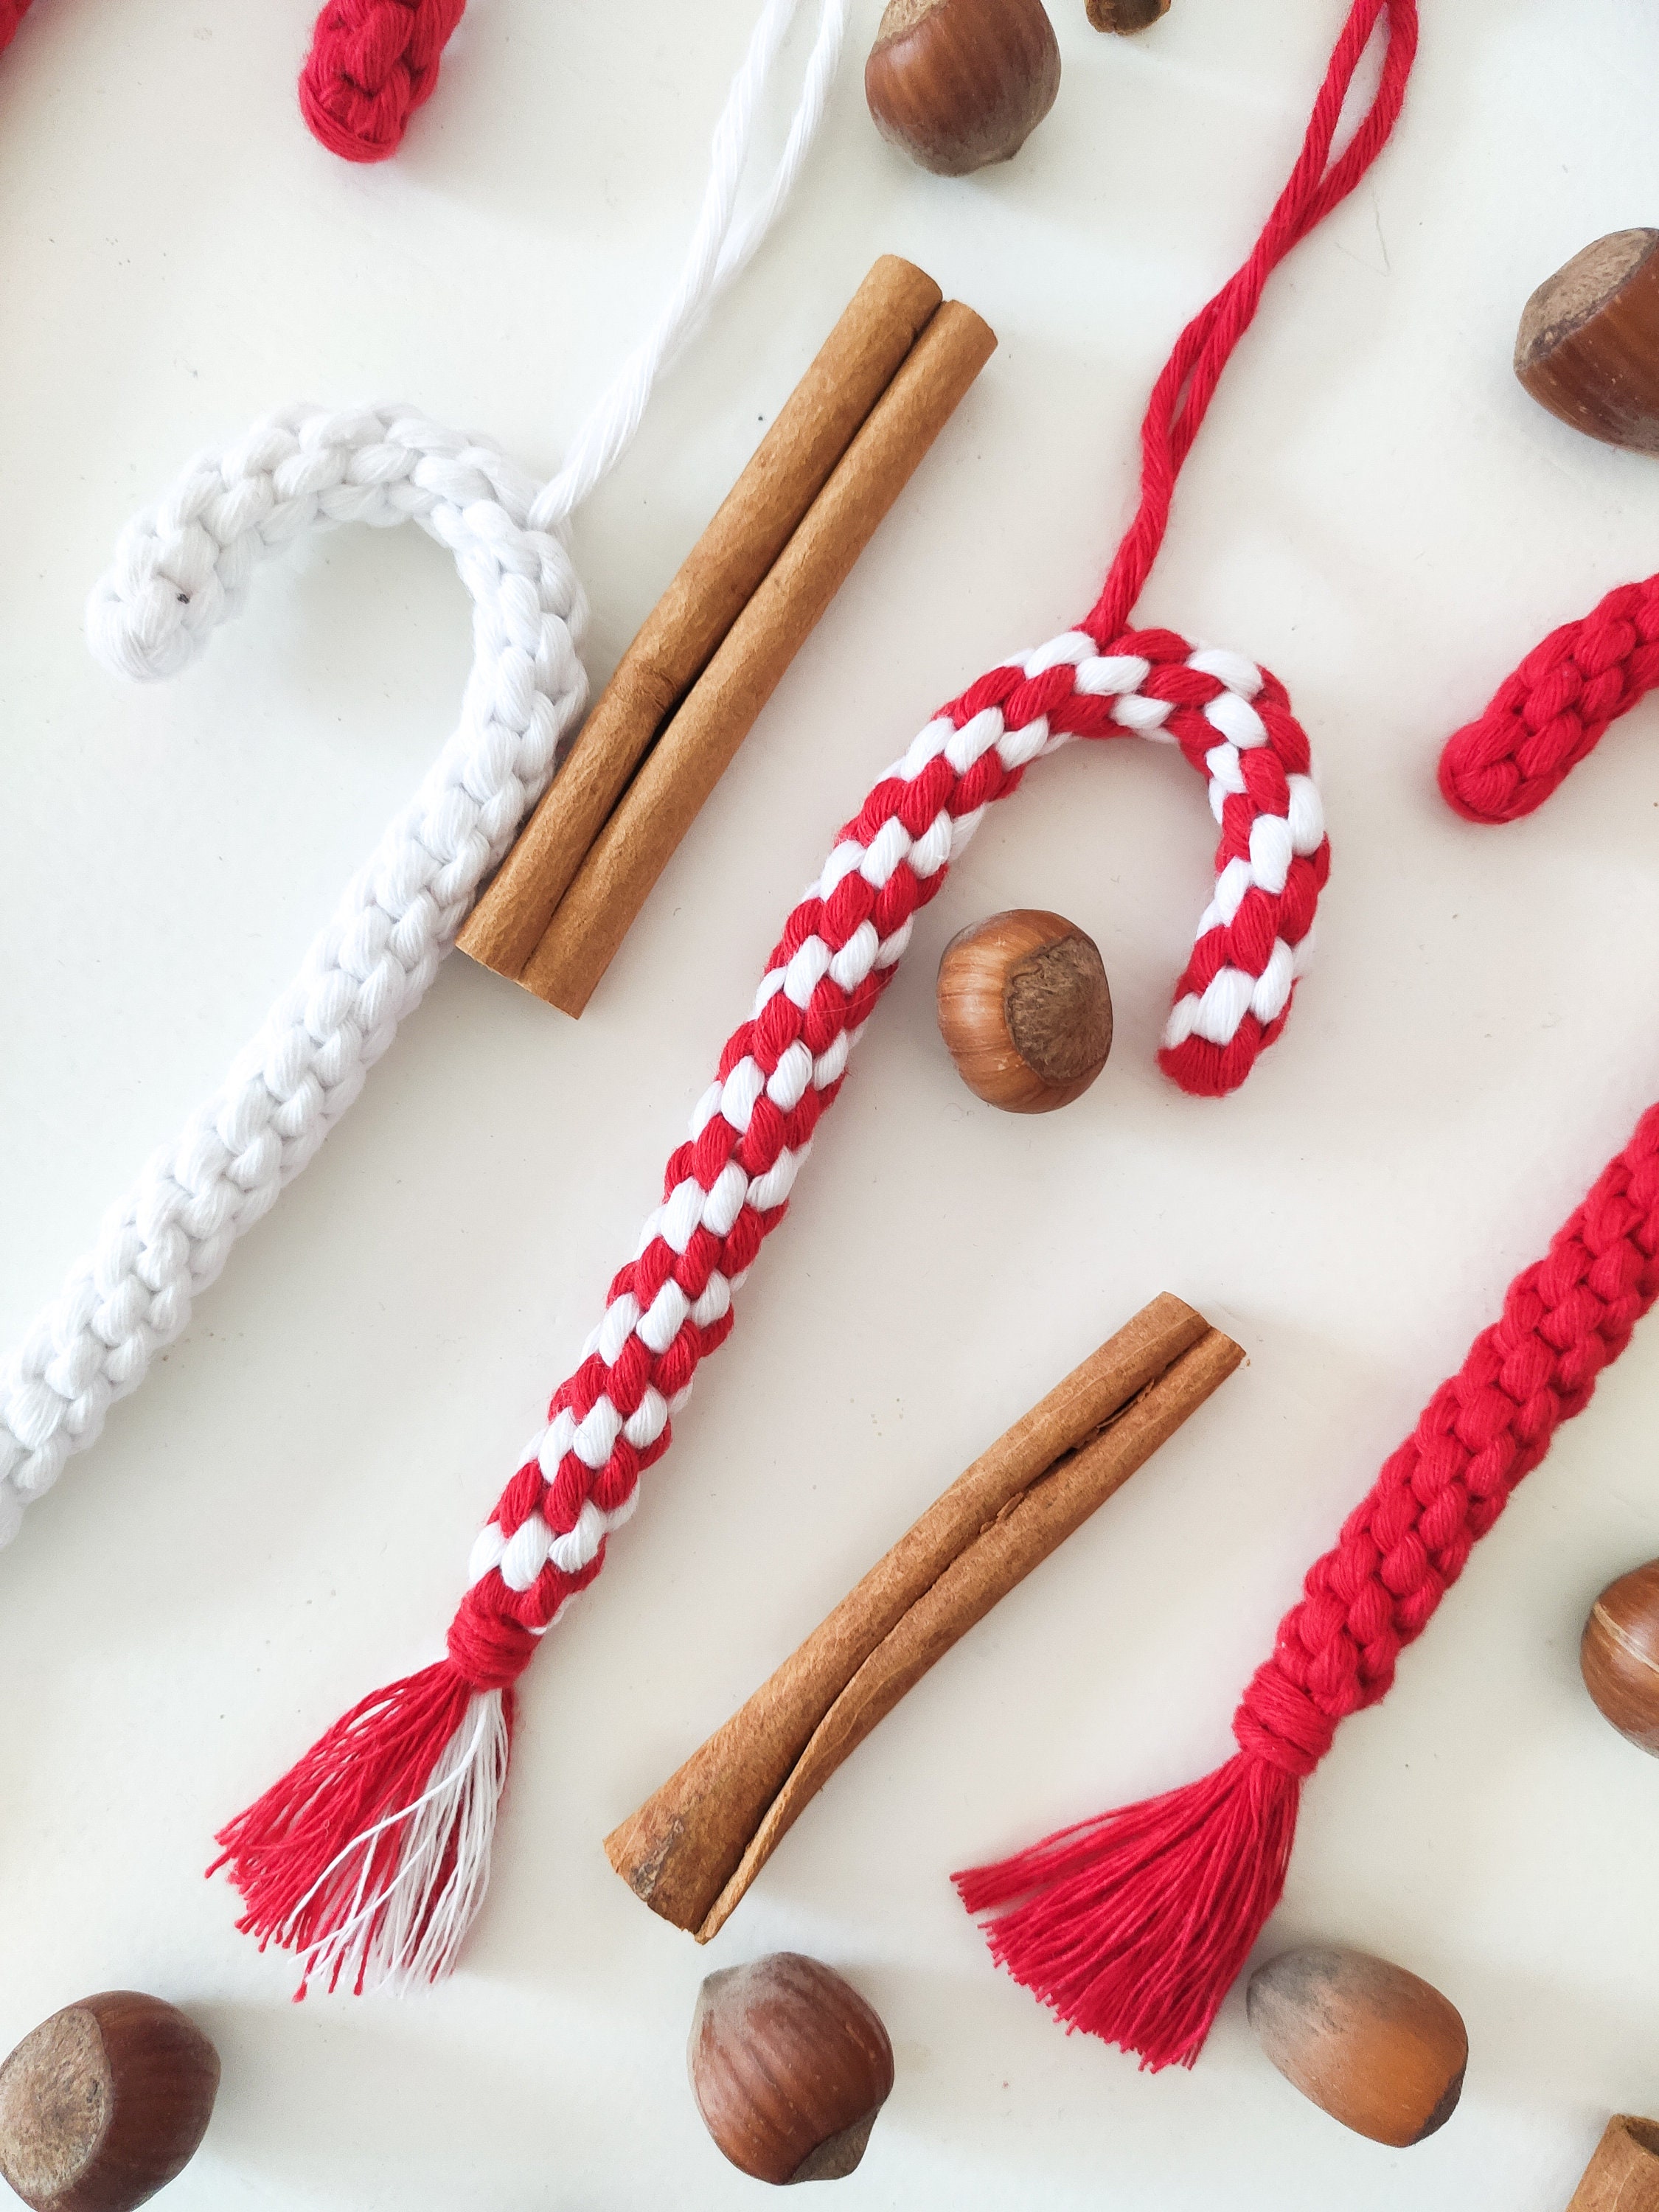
178,573
183,568
369,1856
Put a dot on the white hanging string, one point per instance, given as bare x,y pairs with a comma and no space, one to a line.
721,247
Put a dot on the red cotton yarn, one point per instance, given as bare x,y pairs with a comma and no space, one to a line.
372,62
1133,1927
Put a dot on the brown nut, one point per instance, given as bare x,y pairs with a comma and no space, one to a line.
959,83
1025,1009
104,2103
1126,15
1618,1655
1370,2044
1588,343
789,2066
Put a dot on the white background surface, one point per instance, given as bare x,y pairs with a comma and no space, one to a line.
280,1519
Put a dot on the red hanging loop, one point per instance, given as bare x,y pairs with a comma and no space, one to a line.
1181,398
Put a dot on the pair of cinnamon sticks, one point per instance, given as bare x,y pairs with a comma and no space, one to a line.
693,1848
690,687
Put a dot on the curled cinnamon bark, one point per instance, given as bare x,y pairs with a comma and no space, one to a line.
692,1850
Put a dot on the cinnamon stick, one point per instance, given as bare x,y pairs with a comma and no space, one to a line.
693,1848
697,745
719,576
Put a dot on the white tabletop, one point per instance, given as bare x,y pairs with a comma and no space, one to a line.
280,1518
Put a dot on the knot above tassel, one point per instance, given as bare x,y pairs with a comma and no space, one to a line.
488,1649
1279,1725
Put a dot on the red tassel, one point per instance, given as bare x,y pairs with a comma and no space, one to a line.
1135,1925
370,1854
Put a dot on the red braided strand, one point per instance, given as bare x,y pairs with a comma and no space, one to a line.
372,62
1556,708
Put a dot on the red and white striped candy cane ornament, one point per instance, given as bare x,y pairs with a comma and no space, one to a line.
370,1856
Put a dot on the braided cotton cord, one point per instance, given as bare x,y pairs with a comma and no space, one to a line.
1565,1319
372,63
1555,708
183,568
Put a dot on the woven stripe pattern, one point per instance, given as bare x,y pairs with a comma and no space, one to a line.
179,570
1556,708
372,63
728,1186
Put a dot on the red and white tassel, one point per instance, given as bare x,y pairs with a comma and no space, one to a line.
412,1777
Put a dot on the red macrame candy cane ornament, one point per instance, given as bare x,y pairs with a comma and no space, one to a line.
1134,1926
369,1857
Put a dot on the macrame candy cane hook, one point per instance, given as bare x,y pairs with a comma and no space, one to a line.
183,568
329,1859
1555,708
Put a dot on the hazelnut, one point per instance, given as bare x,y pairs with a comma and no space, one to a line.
1126,15
1588,343
104,2103
1368,2043
1024,1007
789,2066
1620,1655
958,83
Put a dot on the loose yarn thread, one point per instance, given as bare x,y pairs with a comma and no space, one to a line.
185,567
293,1855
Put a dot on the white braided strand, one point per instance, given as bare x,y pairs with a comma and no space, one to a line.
178,571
